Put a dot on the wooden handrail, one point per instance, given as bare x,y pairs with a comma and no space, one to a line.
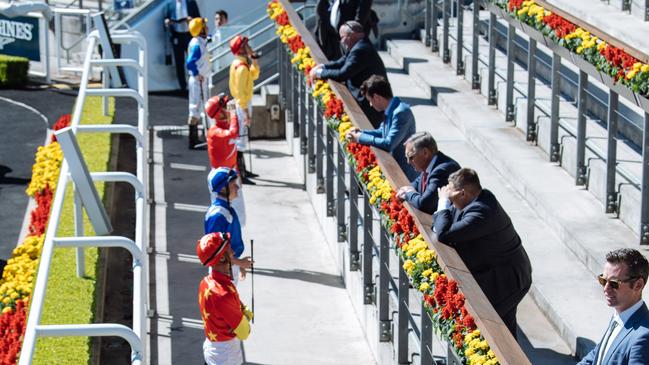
489,322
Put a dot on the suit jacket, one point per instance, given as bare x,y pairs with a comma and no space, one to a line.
192,9
438,172
390,136
361,62
487,242
630,347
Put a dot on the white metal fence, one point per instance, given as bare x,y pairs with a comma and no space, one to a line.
136,335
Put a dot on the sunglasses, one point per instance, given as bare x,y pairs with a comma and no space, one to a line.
614,283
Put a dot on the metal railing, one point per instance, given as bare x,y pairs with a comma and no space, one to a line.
442,8
84,15
137,248
403,321
222,49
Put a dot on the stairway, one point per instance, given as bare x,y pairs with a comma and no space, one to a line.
563,227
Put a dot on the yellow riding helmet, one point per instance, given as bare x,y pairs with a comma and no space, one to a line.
196,26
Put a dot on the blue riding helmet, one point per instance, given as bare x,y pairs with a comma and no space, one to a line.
219,178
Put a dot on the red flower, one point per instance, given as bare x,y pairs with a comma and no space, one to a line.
514,5
560,26
61,123
40,215
12,329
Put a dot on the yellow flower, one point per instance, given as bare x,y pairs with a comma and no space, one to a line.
637,66
434,276
408,265
423,287
427,273
631,74
644,68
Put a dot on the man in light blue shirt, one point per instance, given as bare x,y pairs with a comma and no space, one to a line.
398,126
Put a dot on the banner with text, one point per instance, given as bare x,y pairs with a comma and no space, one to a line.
19,36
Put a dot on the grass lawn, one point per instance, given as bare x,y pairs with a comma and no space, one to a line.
69,299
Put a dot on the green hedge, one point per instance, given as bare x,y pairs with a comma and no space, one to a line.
13,71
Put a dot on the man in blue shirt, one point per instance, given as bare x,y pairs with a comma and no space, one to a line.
221,217
398,126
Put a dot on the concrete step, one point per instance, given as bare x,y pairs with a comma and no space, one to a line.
629,160
537,332
561,225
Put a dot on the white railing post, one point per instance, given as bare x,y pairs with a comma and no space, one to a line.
78,232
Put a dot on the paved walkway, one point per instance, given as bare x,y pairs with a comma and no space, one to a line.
303,313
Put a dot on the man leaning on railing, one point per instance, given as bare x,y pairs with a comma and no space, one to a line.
359,63
434,167
398,126
484,237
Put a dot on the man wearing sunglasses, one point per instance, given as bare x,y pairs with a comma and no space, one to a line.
626,340
485,238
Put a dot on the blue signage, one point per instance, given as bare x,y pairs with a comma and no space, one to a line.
19,36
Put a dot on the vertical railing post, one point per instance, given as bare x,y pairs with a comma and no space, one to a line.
509,95
354,255
580,171
434,42
491,80
402,330
79,232
426,340
368,246
459,62
310,110
646,10
295,99
446,52
475,50
329,174
427,19
611,153
385,326
644,192
554,108
320,185
531,90
340,194
302,113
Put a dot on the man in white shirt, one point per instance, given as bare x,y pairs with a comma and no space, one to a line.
626,340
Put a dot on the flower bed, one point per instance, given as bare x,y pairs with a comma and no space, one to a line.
608,59
19,275
444,301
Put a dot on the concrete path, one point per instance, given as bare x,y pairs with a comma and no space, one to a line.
303,313
25,116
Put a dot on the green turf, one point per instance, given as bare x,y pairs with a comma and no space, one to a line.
70,299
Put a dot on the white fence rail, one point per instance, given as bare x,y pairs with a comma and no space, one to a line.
136,335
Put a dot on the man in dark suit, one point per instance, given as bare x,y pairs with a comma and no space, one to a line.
626,340
331,14
178,14
484,237
434,168
359,63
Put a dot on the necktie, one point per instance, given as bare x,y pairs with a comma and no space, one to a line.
424,181
602,347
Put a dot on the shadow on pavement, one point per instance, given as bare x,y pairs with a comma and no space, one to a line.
276,184
303,275
543,356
